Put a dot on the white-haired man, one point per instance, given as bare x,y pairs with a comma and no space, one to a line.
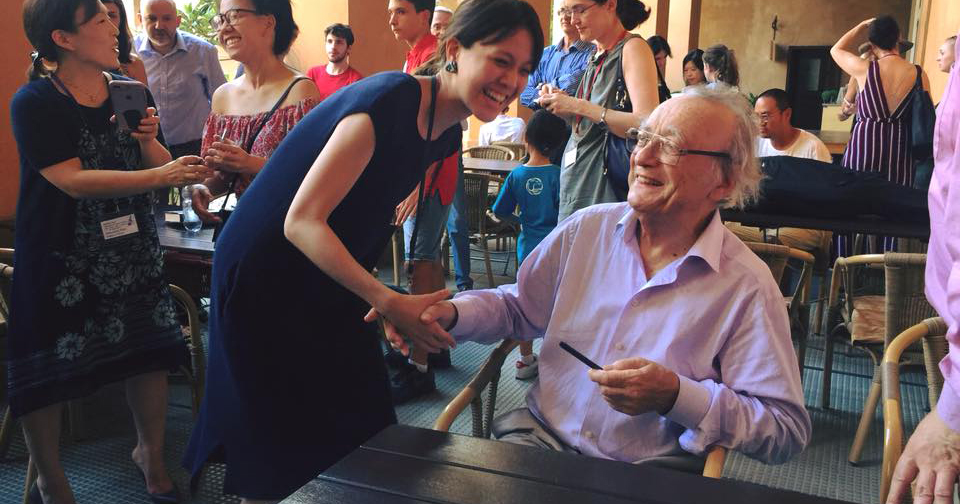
183,71
441,20
690,324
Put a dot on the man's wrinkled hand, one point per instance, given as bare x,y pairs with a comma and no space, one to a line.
635,386
932,458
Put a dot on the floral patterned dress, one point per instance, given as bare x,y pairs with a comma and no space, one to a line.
85,310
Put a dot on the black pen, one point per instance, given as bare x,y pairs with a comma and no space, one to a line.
580,357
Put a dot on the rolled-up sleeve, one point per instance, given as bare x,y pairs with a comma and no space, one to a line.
758,408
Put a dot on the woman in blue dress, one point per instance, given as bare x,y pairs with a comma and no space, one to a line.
296,378
89,303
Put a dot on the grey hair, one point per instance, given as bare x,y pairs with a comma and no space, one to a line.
743,167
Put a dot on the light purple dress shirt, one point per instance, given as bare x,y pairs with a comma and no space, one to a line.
943,254
714,316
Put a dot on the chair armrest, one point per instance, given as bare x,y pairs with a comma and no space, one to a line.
473,389
713,466
892,413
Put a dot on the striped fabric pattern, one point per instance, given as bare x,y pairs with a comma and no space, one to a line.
880,140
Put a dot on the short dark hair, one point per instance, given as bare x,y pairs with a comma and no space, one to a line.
422,5
659,44
722,60
884,32
632,13
286,30
546,132
340,30
42,17
487,22
778,95
696,56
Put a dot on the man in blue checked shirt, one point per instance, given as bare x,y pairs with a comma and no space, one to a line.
561,66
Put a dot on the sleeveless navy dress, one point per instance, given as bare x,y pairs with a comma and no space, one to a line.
296,379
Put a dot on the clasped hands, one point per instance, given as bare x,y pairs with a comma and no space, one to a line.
631,386
556,100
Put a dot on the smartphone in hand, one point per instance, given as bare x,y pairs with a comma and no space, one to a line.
129,100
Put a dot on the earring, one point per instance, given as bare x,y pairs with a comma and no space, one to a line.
451,67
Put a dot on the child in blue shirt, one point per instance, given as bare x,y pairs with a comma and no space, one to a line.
533,189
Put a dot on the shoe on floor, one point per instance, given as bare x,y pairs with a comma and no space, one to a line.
409,383
439,360
527,371
394,358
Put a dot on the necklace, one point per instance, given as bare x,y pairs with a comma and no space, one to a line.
91,98
885,55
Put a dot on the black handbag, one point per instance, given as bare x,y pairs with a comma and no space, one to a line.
224,214
617,155
923,118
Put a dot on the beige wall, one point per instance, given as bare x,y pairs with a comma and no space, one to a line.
15,54
744,25
943,22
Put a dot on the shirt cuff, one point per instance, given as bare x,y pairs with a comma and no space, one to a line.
691,405
466,315
948,407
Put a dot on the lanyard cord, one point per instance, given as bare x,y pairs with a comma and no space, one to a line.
584,92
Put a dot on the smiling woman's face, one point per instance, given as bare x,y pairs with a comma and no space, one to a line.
490,76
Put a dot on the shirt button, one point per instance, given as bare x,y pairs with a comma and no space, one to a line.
620,347
589,435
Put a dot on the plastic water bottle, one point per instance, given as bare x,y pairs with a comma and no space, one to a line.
191,222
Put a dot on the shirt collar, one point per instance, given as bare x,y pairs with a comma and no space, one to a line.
707,247
580,45
421,45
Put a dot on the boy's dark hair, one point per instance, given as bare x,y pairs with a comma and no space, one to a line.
884,32
421,5
546,132
778,95
340,30
658,44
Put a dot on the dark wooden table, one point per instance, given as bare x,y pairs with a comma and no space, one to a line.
406,464
187,257
179,239
875,226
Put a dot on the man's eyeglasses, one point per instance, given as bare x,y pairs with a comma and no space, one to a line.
229,18
668,152
576,10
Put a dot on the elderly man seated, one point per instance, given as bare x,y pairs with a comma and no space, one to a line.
690,324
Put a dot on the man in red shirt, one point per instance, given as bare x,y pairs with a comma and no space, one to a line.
337,73
410,23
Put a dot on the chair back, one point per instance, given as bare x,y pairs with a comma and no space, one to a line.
490,152
6,280
774,255
476,190
519,150
906,303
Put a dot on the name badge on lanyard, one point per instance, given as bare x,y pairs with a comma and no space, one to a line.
117,227
570,156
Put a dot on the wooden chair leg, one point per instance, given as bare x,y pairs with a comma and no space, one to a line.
827,370
486,260
866,418
397,260
31,476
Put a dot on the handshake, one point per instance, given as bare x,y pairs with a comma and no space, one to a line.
423,319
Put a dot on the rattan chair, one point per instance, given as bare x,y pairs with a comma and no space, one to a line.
933,333
488,378
6,419
519,150
490,152
477,191
872,319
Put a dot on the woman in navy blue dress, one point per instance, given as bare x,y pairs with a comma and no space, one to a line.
296,377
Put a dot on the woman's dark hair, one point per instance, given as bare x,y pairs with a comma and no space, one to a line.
42,17
487,22
884,32
722,60
632,13
546,132
124,37
659,44
696,56
286,30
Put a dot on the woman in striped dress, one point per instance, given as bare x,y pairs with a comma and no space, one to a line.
880,140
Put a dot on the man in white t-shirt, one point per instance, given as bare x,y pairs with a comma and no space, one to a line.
779,138
502,129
